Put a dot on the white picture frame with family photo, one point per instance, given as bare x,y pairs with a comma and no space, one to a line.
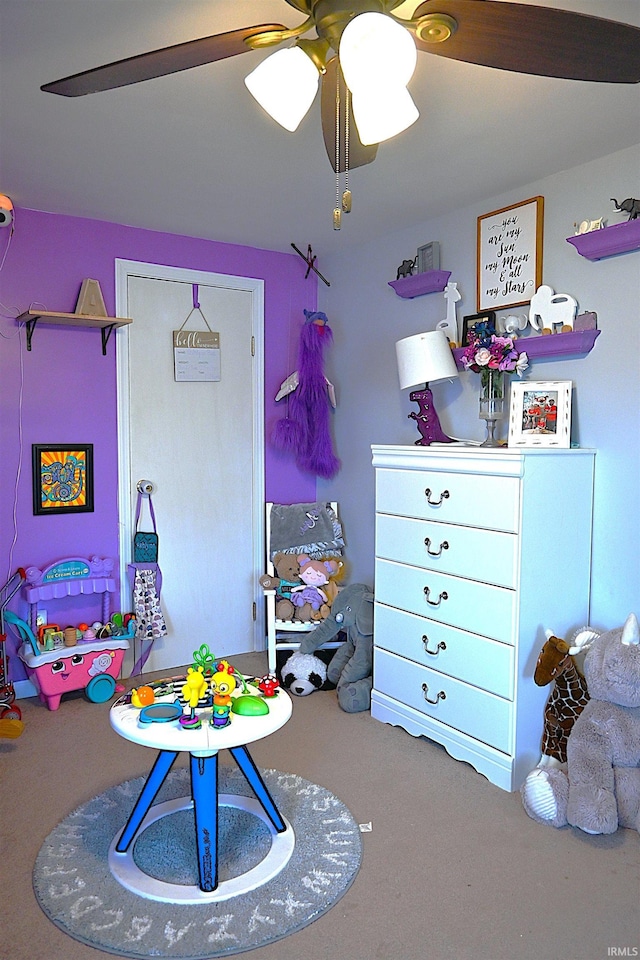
540,414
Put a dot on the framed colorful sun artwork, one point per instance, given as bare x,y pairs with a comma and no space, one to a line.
62,478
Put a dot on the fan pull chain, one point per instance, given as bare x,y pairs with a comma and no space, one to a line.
337,211
346,196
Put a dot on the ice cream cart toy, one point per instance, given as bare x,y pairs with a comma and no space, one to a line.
75,658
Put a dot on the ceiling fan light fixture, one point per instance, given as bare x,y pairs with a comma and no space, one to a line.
376,50
285,85
382,112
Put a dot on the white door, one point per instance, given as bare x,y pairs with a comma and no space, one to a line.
200,443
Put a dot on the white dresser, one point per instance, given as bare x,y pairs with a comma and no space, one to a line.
478,551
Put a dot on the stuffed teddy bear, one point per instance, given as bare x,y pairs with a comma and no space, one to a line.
600,789
351,667
287,576
314,596
303,674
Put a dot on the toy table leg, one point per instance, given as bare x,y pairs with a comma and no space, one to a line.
159,771
204,790
244,760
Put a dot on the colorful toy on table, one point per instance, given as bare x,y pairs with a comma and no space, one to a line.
193,691
269,685
142,696
223,683
202,657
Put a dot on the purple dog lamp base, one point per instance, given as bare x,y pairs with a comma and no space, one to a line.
427,418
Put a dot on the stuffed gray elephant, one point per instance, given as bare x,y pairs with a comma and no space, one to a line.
351,667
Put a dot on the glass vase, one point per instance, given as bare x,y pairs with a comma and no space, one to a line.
492,402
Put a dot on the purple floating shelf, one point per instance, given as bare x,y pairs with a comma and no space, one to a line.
597,244
431,281
552,345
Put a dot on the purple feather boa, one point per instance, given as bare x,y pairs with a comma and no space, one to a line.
306,432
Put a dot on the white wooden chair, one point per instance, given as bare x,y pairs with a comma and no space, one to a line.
284,634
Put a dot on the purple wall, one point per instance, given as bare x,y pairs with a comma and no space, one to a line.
67,393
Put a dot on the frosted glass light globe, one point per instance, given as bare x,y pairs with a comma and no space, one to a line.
285,85
375,49
382,112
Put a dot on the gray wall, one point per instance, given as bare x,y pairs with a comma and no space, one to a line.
367,318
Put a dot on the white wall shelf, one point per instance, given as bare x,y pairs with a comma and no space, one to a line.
105,324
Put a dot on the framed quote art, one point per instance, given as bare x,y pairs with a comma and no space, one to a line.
510,255
62,478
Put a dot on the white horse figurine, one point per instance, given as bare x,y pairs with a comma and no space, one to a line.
450,324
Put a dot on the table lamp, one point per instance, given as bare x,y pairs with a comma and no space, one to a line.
425,358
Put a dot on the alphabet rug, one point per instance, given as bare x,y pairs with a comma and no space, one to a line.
74,885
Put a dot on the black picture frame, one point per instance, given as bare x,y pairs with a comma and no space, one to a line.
62,478
487,316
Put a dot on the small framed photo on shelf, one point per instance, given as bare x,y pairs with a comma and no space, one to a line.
540,414
486,323
428,257
62,479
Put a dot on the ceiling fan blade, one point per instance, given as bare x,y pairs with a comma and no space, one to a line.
359,155
159,63
538,40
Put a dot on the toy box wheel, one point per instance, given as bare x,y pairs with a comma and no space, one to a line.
100,688
11,713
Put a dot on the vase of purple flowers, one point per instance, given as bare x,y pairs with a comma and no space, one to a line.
492,357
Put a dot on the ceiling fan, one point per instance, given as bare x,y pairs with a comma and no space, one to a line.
494,33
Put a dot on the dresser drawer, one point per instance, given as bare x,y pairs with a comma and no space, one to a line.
485,555
472,499
478,607
465,656
481,715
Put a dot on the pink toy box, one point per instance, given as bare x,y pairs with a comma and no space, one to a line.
92,664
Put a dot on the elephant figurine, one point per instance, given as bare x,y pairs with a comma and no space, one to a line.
405,269
630,206
351,667
548,310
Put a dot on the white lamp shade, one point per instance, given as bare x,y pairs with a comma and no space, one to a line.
375,49
425,358
285,85
382,112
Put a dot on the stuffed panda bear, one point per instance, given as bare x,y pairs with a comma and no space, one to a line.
303,673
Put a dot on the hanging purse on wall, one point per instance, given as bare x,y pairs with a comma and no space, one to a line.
145,543
146,582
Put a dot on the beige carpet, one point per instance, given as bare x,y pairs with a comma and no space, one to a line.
452,868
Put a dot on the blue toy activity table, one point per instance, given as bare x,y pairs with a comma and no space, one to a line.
165,734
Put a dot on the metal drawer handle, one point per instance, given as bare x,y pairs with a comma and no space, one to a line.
435,553
434,653
436,503
440,695
435,603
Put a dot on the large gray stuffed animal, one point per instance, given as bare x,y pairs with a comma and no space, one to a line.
351,667
600,789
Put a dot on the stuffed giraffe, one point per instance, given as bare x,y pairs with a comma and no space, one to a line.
569,696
